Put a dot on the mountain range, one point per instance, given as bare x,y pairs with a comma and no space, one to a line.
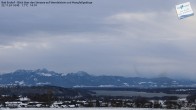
82,79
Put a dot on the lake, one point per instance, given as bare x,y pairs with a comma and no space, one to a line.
133,93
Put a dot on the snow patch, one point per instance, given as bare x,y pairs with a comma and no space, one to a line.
126,84
63,74
45,74
80,108
20,82
35,79
142,83
42,83
106,86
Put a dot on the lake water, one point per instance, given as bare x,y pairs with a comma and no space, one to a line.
133,93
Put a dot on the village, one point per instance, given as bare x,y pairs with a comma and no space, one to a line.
136,102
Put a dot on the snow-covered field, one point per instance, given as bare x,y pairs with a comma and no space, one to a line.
80,109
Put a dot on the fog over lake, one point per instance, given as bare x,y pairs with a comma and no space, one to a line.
133,93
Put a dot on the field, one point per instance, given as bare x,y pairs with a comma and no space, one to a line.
80,109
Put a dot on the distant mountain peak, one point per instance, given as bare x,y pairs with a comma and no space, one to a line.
79,73
22,71
37,70
83,79
82,73
44,70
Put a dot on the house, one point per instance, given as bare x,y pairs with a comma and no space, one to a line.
24,99
71,106
57,104
12,104
104,104
35,104
183,102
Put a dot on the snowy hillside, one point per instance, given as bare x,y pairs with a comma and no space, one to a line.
83,79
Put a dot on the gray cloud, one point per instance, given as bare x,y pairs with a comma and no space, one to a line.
130,38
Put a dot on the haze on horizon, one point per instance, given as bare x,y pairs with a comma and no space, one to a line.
124,38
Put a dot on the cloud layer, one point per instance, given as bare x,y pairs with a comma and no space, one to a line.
129,38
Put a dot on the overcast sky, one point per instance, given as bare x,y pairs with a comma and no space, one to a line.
110,37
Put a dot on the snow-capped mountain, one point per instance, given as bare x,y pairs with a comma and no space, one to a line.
83,79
